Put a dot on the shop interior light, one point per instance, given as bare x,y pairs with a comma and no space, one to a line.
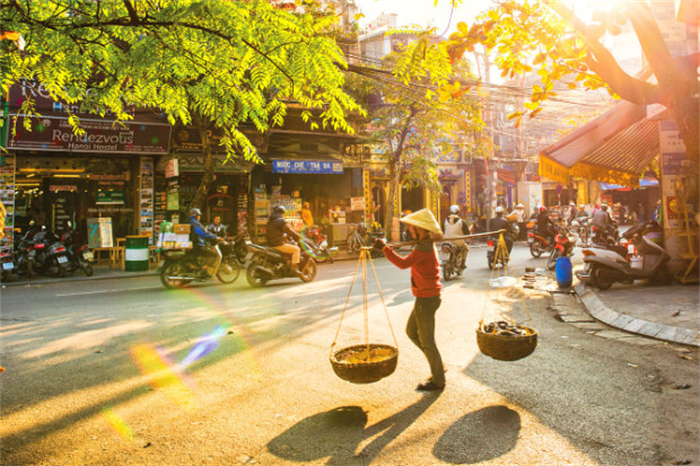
66,175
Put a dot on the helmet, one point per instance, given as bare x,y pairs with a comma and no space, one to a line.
194,212
519,206
454,209
581,206
279,209
543,209
499,209
572,204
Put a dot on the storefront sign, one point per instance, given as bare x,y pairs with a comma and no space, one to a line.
368,197
172,168
673,159
553,170
110,197
195,164
308,167
55,134
357,203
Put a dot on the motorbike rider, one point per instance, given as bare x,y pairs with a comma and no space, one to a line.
581,211
571,213
199,237
455,226
519,214
277,228
602,220
545,226
500,223
217,228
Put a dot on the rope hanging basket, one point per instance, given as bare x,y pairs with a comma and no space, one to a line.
365,363
368,362
505,341
506,346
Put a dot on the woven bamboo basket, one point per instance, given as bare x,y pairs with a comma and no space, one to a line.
507,347
363,371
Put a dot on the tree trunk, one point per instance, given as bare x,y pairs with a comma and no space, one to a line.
203,190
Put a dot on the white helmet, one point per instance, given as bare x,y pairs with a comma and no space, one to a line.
454,209
499,210
519,206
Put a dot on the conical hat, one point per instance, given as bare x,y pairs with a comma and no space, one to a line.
423,218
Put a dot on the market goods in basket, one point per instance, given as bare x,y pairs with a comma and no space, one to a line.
355,356
505,328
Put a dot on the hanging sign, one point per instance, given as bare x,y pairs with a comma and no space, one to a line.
309,167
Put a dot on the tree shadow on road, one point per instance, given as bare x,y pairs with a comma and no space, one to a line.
338,433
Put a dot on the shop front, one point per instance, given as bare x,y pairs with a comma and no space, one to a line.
333,190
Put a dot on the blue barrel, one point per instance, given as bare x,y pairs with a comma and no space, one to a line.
563,272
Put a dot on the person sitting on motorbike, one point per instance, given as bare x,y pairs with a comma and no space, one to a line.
581,211
602,220
217,228
455,226
199,237
276,230
500,223
519,214
545,226
571,213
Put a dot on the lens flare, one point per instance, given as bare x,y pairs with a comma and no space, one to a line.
117,423
204,346
159,374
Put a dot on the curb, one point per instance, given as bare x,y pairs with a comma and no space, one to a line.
78,278
600,311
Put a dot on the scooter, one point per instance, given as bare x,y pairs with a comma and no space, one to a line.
451,259
538,243
607,235
268,263
80,257
8,265
316,244
181,267
604,266
564,243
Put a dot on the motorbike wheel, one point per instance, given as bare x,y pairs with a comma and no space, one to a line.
6,276
255,278
87,268
489,258
309,271
446,272
552,261
327,255
599,279
229,270
535,249
174,268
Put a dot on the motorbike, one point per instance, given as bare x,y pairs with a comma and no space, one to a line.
56,260
268,263
609,234
538,243
511,233
564,243
451,259
581,228
8,265
316,244
604,266
182,267
80,257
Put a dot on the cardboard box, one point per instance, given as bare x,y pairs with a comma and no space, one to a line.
181,229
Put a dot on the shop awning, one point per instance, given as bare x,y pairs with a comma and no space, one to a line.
613,148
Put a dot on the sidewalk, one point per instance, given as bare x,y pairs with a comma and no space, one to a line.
669,313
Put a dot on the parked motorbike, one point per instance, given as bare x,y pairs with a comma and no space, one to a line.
581,228
268,263
564,243
25,253
316,244
605,266
511,233
8,265
80,256
182,267
451,259
56,260
608,235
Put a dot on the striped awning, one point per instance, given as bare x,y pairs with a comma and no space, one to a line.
613,148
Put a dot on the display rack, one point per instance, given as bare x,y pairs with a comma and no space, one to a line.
688,232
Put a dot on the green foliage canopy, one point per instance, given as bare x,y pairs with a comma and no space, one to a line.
226,62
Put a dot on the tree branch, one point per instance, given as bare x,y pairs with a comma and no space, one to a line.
603,63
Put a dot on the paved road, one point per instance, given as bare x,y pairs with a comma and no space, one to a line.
92,378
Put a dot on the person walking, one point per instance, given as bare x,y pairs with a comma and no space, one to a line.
425,285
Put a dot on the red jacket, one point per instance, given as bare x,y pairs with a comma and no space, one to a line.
425,271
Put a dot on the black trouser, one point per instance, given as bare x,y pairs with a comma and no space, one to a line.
421,330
